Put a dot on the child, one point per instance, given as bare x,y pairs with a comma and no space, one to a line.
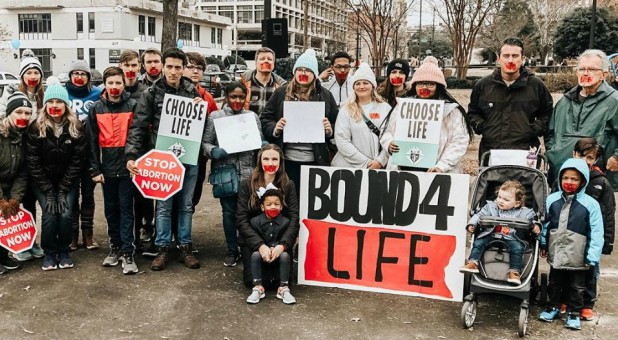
571,240
270,225
509,203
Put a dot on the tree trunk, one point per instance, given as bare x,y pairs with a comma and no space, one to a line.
170,24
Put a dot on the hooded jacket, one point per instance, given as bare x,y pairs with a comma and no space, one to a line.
13,168
573,231
601,190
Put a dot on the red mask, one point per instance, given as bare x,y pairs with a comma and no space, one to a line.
511,66
237,106
54,111
303,77
32,82
266,67
114,92
272,213
424,92
22,123
396,81
79,81
130,74
269,169
569,188
585,79
341,76
153,72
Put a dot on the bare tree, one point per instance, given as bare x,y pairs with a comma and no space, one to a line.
378,21
463,20
547,14
5,34
170,24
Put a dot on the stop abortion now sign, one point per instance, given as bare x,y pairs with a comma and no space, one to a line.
17,233
161,175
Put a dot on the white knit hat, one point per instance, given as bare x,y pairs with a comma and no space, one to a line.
364,72
29,61
307,60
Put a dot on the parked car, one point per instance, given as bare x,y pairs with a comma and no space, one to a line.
7,78
236,70
96,80
214,80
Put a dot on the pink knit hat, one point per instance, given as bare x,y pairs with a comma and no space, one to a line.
429,71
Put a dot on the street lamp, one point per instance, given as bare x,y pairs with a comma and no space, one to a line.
356,12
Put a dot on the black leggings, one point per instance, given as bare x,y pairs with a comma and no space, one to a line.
285,261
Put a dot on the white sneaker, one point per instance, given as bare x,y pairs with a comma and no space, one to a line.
128,265
112,258
285,295
256,295
23,256
36,251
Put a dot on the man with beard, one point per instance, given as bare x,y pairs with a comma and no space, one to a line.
151,62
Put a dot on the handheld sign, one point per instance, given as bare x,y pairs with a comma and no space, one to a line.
18,233
303,122
396,232
161,175
181,127
238,133
417,132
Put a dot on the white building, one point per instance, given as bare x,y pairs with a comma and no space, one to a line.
98,30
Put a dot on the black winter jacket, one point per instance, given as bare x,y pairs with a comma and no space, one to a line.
271,231
510,117
13,168
273,111
55,162
143,130
108,127
600,189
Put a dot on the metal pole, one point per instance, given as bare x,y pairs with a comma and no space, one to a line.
357,36
593,24
420,26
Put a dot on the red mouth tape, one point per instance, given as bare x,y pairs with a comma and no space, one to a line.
32,82
22,123
130,74
303,77
511,66
154,72
269,168
341,76
114,92
79,81
585,79
266,67
396,81
424,93
55,111
236,106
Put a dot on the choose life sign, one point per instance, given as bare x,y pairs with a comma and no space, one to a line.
417,132
181,127
396,232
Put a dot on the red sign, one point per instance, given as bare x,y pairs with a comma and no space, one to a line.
160,175
17,233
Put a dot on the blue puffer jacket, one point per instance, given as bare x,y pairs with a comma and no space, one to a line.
573,232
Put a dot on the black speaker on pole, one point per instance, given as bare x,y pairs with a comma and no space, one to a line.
275,36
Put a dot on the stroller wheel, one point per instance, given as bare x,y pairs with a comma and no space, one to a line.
523,322
543,290
468,313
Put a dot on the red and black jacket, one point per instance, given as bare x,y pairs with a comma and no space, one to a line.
108,128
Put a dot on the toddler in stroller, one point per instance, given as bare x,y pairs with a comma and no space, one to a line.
509,203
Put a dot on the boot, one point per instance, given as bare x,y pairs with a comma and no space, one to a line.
187,257
89,242
74,238
160,261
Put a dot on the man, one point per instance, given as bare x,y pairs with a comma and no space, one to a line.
130,65
140,140
261,83
335,78
590,109
151,62
510,108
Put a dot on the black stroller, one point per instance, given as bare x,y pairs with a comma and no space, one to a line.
494,264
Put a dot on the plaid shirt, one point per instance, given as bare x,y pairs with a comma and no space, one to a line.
259,94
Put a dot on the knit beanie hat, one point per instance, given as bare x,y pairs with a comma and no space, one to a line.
29,61
56,91
80,65
429,71
307,60
398,64
364,72
17,99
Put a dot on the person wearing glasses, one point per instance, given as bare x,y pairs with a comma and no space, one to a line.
590,109
510,108
455,133
336,78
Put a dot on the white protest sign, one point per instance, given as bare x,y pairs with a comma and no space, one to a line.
238,133
303,122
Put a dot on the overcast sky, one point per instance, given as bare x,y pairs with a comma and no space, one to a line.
414,14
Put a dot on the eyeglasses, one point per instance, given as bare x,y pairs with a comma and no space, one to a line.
425,84
303,70
588,70
341,67
195,68
79,74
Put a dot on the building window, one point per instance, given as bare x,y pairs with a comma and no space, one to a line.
259,13
141,25
34,26
44,55
227,11
92,58
80,54
91,22
245,14
185,32
210,9
213,36
151,26
80,22
220,35
196,33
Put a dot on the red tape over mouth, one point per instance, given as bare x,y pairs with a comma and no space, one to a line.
303,77
22,123
130,74
269,168
396,81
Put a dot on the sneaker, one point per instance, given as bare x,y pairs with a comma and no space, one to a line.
573,322
112,258
231,259
50,262
514,278
187,256
64,261
145,236
150,251
128,265
89,242
549,314
257,294
74,241
9,264
160,261
23,256
3,270
36,251
587,314
285,295
470,267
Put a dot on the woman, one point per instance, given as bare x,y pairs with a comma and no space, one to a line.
270,170
13,168
357,128
244,162
394,85
108,125
303,87
55,149
455,133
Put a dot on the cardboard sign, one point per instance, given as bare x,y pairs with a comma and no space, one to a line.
395,232
417,132
303,122
18,233
181,127
161,175
238,133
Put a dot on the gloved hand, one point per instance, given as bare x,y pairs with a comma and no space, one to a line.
608,248
218,153
51,203
4,208
13,207
63,204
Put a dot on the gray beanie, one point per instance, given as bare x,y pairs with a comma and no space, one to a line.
80,65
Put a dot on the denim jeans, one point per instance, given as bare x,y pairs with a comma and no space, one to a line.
516,251
86,209
118,199
56,229
228,206
284,262
185,211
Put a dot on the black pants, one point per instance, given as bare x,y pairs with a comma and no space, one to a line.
292,168
144,213
284,262
85,190
201,177
569,284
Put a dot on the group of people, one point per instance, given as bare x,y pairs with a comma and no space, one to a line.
62,141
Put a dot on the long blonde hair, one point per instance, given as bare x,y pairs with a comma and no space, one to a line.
43,121
6,124
292,91
354,109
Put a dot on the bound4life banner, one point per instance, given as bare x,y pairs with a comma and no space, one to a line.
392,232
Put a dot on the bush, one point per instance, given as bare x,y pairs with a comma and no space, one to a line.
284,67
468,83
215,60
560,81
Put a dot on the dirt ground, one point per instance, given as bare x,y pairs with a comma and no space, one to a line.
93,302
